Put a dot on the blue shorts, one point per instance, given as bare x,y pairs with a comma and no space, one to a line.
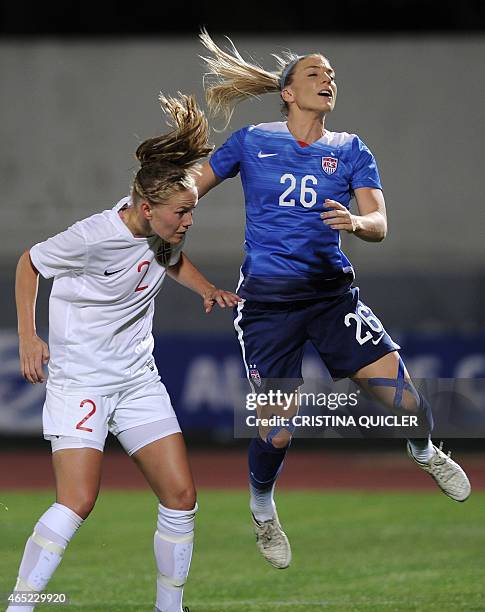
344,331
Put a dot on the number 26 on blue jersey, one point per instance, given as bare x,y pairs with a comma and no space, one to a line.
308,195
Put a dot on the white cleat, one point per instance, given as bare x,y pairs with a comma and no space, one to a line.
272,542
447,474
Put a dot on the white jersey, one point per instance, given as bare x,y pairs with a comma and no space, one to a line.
102,301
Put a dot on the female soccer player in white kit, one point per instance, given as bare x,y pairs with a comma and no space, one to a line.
107,270
296,282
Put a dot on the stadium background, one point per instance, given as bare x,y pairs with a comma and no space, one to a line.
79,92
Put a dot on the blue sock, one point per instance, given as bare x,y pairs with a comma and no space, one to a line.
265,463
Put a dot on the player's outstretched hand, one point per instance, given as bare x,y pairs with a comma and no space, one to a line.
34,354
339,218
223,298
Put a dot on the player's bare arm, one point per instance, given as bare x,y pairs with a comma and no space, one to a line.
185,273
206,180
34,352
371,222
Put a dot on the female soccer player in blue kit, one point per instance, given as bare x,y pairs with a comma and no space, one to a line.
296,283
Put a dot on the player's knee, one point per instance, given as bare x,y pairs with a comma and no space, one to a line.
184,499
281,439
82,505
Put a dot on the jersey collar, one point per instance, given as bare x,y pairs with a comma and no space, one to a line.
118,221
311,148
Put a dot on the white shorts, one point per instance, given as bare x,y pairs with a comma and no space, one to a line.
86,418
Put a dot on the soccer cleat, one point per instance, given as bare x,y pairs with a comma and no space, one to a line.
447,474
272,542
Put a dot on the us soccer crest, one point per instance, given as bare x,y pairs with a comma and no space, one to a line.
164,253
329,164
254,375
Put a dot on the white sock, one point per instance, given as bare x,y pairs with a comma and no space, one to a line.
173,544
262,503
44,549
422,449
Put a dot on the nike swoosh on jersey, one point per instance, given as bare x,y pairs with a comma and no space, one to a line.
261,154
375,342
106,273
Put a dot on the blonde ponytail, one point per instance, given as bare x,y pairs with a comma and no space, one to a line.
168,161
184,145
230,78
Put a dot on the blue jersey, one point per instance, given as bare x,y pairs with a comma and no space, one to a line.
290,253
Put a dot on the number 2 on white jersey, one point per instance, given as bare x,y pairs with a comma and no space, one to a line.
308,195
141,265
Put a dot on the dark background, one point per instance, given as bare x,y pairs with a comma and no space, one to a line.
146,17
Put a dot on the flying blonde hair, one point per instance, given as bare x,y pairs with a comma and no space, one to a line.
231,79
169,161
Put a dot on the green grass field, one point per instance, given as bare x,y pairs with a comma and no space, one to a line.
351,551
